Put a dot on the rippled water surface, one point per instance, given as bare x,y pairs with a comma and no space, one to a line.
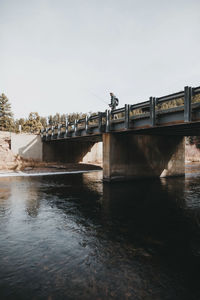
73,237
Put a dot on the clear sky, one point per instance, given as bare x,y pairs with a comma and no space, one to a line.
67,55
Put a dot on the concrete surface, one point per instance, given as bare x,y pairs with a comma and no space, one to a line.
28,146
129,156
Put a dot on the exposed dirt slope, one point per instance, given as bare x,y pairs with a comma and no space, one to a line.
7,159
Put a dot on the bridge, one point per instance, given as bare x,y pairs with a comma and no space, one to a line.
139,140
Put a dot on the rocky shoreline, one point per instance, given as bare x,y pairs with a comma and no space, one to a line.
38,168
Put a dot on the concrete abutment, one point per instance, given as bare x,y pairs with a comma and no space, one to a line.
127,156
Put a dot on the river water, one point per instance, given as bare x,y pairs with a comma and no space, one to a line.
73,237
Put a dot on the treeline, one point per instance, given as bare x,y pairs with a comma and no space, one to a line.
34,123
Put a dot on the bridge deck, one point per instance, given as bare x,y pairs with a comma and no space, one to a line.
149,117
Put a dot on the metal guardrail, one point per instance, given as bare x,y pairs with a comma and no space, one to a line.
104,121
196,90
170,97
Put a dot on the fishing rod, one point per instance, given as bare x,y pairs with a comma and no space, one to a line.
99,98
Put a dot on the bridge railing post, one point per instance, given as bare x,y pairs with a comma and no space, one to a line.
127,116
100,121
108,119
66,128
152,111
75,127
59,130
52,131
187,104
47,129
86,124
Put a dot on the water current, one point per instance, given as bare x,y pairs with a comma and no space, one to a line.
71,236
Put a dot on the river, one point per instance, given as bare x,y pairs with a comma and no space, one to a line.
74,237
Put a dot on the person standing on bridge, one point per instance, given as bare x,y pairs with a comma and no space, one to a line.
114,101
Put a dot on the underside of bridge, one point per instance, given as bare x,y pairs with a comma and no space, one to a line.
124,155
74,150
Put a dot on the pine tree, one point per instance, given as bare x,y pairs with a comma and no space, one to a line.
43,121
32,124
56,119
18,123
63,119
6,116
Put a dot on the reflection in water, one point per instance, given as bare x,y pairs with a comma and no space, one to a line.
73,237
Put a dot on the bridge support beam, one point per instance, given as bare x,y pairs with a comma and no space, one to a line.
128,156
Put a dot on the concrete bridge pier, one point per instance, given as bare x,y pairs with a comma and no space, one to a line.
128,156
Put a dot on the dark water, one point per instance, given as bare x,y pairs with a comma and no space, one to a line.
73,237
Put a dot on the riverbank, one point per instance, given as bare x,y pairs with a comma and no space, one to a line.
42,168
192,153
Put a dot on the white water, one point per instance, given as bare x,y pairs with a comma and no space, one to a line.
22,174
